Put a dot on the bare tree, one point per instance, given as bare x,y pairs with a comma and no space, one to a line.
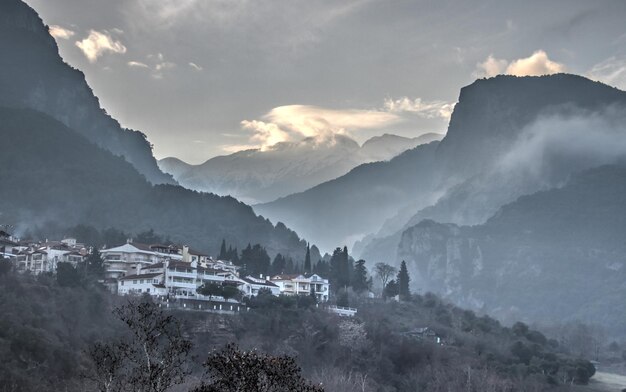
234,370
384,272
152,359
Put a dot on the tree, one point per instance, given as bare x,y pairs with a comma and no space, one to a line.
403,280
223,255
153,359
391,289
230,292
278,265
94,265
384,272
307,259
234,370
67,275
255,260
210,290
359,277
340,269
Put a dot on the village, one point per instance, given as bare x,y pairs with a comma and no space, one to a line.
174,275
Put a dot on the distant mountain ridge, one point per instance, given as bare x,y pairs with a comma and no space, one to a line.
264,175
494,117
34,76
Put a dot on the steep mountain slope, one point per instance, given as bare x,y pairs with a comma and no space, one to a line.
530,134
256,176
353,204
33,75
51,174
553,255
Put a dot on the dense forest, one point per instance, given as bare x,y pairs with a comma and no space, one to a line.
55,328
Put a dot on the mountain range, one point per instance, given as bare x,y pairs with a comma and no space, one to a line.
64,161
256,176
477,167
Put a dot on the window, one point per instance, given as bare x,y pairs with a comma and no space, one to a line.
139,291
141,281
147,290
155,281
122,283
134,282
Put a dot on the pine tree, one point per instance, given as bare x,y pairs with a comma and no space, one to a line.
278,265
307,260
403,280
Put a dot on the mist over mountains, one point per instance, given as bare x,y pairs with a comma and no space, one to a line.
256,176
475,169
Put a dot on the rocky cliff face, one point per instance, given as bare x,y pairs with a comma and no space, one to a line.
34,76
551,256
511,136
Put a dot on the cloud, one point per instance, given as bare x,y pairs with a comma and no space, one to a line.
156,66
59,32
424,109
137,64
490,67
294,122
536,64
195,66
568,143
98,43
610,71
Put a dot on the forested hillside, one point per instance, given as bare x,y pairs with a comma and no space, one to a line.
52,175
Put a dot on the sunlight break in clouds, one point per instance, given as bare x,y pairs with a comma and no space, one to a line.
536,64
59,32
293,122
97,43
424,109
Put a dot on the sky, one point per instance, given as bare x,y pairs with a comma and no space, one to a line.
209,77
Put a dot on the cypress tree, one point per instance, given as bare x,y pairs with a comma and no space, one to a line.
403,280
307,260
223,255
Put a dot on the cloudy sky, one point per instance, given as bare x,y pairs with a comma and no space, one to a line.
207,77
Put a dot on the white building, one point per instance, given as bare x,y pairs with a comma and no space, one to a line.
149,283
303,285
251,286
43,257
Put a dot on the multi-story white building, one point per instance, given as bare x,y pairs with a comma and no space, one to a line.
303,285
42,257
131,257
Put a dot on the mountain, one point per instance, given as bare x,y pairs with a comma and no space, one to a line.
339,211
532,138
507,136
561,246
258,175
34,76
387,146
53,177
